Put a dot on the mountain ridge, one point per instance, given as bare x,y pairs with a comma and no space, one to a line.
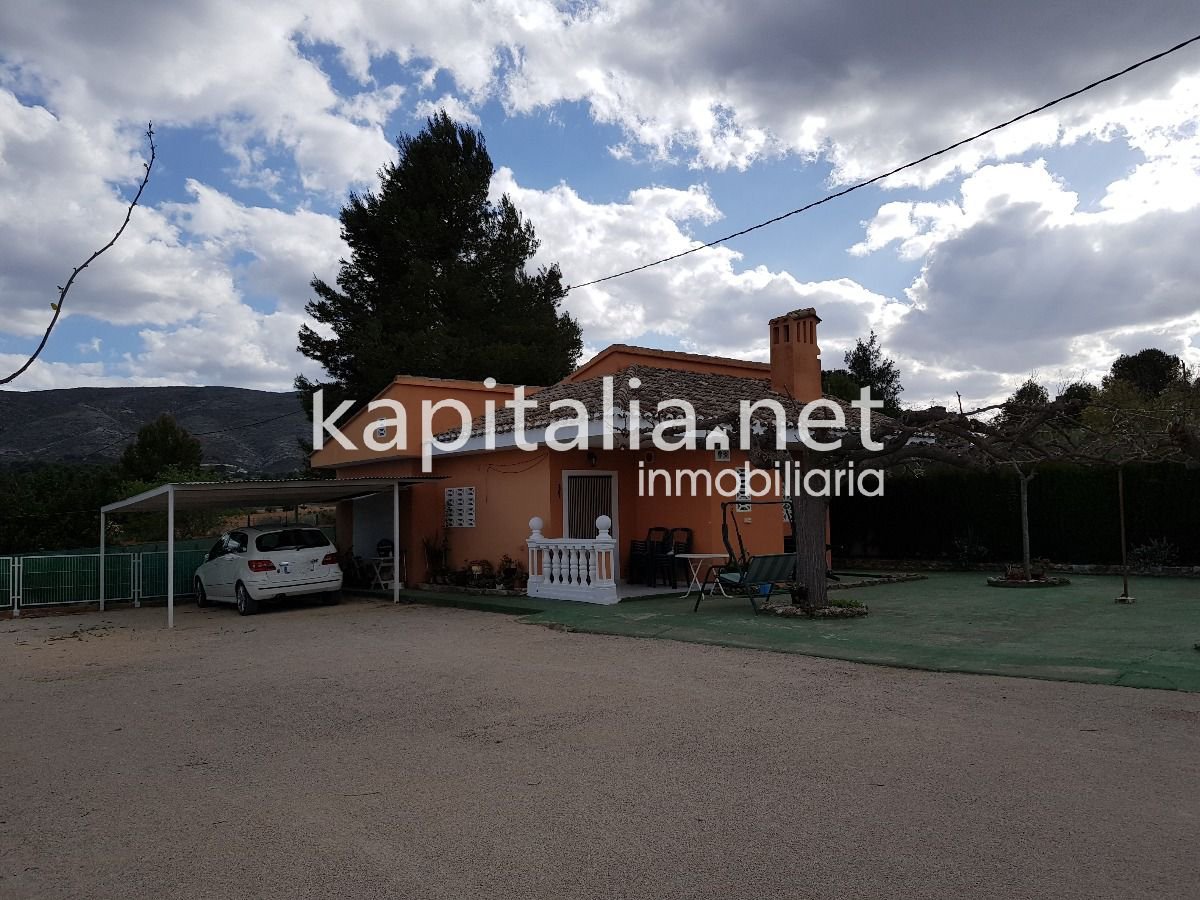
259,432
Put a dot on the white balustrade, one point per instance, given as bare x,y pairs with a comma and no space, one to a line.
573,568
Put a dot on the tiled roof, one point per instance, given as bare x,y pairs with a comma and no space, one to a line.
712,396
653,352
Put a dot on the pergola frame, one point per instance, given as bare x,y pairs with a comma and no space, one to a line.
288,492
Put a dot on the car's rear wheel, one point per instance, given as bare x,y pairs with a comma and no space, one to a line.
201,596
246,605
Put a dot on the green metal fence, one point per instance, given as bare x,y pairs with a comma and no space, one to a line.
66,580
153,572
7,583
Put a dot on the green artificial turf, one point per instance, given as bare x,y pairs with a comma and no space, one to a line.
951,622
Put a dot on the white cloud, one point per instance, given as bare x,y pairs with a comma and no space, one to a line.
867,84
247,349
373,107
46,376
182,273
287,248
236,66
56,207
454,107
919,226
1016,274
1017,277
706,300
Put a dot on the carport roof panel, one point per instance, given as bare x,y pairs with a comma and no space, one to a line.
281,492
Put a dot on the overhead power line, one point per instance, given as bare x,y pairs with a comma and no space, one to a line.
199,434
890,172
297,412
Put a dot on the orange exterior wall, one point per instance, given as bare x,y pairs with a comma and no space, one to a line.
762,529
512,486
410,392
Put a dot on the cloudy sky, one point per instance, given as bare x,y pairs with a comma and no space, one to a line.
625,130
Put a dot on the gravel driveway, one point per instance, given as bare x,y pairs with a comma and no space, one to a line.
369,750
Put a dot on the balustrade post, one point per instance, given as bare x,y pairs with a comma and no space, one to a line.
606,545
535,544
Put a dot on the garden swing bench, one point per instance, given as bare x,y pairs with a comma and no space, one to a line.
751,576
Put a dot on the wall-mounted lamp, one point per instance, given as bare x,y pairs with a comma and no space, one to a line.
591,458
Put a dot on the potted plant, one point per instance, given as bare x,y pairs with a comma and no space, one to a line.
1014,573
506,572
437,553
482,573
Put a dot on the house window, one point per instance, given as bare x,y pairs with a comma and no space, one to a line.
787,333
460,507
775,335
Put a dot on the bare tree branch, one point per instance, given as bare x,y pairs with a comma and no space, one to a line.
62,289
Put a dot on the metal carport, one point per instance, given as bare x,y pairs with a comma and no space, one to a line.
237,494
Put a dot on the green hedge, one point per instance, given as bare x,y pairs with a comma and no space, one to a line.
974,516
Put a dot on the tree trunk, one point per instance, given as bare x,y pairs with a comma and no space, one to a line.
1026,557
1121,511
810,518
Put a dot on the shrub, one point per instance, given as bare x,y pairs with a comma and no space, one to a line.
1154,553
846,603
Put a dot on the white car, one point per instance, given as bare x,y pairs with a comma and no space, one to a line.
250,565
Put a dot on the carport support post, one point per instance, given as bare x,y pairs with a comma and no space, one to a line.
171,556
102,530
395,542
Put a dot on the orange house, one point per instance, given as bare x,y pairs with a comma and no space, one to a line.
489,499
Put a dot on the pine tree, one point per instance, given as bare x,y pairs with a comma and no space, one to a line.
436,284
160,446
866,367
1150,372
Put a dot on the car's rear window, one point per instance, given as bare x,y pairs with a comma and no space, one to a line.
291,539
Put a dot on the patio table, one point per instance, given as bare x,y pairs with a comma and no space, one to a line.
696,562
